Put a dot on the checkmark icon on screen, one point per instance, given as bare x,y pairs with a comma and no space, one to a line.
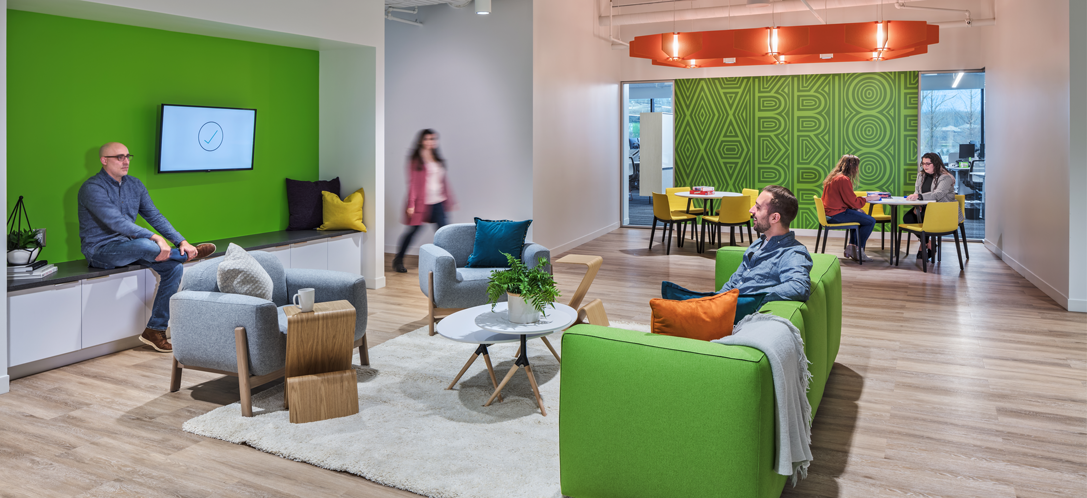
208,141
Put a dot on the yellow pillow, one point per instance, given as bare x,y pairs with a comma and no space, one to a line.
342,215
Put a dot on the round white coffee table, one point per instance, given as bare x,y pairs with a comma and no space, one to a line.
471,326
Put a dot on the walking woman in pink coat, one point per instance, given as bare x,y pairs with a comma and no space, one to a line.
429,197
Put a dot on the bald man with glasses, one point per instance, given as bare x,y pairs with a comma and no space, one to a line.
110,238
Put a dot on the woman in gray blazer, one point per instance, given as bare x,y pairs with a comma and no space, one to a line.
934,183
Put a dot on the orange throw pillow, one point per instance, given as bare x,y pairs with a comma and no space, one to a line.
705,318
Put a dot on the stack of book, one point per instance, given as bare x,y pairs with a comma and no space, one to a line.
37,269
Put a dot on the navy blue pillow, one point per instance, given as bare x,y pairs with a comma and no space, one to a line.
494,238
746,304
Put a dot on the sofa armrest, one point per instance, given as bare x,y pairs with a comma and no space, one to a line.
533,252
202,327
646,414
332,286
728,260
435,259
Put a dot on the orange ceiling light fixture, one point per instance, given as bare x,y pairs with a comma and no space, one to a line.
847,42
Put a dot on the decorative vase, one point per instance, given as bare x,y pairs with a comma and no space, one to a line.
520,311
23,256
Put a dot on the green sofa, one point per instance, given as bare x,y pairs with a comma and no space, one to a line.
645,415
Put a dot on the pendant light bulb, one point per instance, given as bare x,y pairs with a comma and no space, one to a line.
879,35
773,41
675,45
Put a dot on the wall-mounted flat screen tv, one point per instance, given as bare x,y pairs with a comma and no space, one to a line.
195,138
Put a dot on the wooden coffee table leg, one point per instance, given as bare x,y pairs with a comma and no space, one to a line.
471,359
505,381
490,370
548,343
535,389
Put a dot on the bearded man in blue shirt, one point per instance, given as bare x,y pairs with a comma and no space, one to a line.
776,264
110,238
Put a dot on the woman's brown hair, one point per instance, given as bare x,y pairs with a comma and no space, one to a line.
848,166
417,151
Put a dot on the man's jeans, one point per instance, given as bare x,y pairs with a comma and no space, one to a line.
144,251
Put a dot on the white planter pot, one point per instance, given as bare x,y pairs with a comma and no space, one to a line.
23,256
520,311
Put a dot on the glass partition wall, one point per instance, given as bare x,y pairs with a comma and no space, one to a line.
951,123
639,98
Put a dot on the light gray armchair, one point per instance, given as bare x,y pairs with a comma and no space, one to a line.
245,336
447,283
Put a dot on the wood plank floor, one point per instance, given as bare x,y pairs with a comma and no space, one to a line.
947,384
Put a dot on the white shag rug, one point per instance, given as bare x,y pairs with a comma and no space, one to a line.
413,434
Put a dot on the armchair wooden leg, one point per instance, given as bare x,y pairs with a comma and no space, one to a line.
364,352
818,236
430,301
241,345
175,377
957,251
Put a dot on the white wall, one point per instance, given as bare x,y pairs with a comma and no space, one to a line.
575,125
1077,175
468,77
1029,142
4,378
352,142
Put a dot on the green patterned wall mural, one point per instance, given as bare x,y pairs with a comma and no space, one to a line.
736,133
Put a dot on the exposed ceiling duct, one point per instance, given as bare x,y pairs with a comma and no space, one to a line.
757,7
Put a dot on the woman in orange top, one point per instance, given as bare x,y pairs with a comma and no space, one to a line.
843,206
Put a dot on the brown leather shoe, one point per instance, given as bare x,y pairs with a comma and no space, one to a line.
203,251
156,339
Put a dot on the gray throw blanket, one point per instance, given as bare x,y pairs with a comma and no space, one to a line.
780,341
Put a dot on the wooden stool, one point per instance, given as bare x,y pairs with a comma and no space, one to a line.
320,380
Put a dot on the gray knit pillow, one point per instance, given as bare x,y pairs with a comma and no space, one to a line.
240,273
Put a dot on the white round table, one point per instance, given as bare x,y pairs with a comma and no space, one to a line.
468,326
894,202
709,205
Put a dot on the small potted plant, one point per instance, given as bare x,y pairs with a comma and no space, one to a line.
529,290
23,246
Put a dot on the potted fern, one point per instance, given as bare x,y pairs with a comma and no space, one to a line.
529,290
23,246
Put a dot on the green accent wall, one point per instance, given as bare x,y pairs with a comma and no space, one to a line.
736,133
75,84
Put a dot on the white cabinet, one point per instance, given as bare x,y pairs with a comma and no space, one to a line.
311,255
43,322
150,287
113,307
283,253
345,254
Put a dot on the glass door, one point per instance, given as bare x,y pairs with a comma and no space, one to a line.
639,98
951,123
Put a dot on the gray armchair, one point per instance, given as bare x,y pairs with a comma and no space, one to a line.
443,278
246,336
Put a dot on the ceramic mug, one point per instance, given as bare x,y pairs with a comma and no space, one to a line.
306,298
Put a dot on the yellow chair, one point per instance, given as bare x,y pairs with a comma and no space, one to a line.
751,194
732,212
663,213
941,218
876,211
678,204
825,228
962,224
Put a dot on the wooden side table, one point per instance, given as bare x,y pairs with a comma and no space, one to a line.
321,383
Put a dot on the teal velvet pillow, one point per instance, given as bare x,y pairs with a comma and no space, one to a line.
494,238
746,304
